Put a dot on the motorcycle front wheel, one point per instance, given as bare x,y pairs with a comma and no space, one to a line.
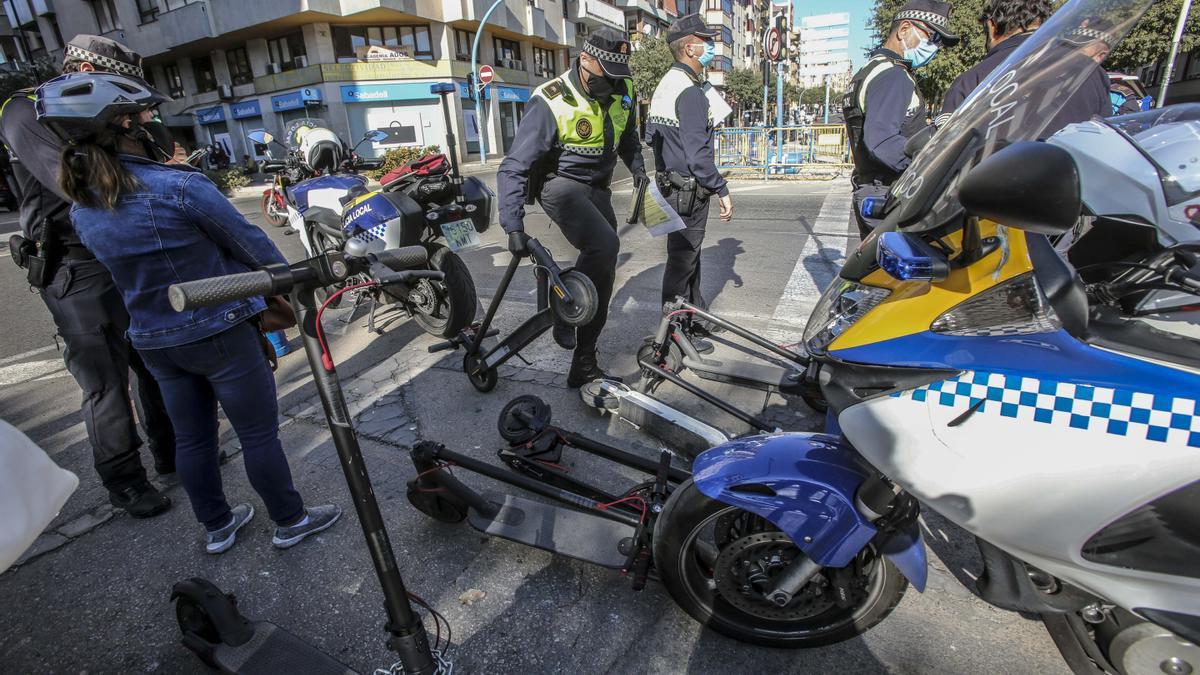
717,561
444,308
275,215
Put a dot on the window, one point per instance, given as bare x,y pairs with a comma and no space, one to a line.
463,41
726,34
543,62
174,81
349,41
285,50
52,19
147,11
8,46
721,6
1193,65
722,63
176,4
206,77
106,15
508,54
239,65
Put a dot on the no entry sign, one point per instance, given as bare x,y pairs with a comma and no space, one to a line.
486,74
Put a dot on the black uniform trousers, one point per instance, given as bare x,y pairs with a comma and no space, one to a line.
681,277
585,215
92,320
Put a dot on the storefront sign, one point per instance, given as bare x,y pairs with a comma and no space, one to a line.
245,109
399,91
374,53
512,94
295,100
211,115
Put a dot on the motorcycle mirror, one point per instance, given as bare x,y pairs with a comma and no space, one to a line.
906,257
260,137
1030,185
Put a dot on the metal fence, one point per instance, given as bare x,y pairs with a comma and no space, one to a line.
797,152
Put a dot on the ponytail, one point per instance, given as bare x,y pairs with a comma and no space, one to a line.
92,175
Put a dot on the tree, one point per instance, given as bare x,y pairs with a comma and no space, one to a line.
745,85
1150,40
935,78
649,62
26,75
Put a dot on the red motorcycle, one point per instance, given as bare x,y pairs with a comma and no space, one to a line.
274,201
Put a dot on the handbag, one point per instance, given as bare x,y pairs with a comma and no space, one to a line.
277,316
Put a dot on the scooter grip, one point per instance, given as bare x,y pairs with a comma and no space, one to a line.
217,290
400,259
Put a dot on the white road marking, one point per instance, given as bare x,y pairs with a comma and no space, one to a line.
32,370
802,289
6,235
24,355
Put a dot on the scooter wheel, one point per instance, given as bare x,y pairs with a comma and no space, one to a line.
482,378
672,361
583,294
594,394
523,418
437,504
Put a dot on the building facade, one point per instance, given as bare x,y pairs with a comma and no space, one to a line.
1185,78
824,51
234,66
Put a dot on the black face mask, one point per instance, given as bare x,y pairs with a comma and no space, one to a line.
599,86
160,145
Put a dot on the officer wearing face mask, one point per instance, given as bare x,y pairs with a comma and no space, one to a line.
574,129
883,107
79,293
681,131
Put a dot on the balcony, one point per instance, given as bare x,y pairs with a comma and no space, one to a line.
596,13
187,24
718,18
511,16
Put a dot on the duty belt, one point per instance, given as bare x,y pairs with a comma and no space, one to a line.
678,181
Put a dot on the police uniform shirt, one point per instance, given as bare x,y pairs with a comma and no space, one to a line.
537,139
1089,100
892,104
36,151
680,131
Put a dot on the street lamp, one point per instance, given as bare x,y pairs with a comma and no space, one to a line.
478,97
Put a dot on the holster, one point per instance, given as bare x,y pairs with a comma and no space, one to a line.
34,256
683,192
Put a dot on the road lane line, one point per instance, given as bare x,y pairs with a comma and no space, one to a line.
24,355
803,289
33,370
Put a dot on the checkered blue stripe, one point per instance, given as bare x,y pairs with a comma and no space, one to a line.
372,234
1120,412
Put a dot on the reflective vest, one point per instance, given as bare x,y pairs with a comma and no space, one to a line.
854,111
580,120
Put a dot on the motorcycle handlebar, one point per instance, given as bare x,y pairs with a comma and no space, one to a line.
387,267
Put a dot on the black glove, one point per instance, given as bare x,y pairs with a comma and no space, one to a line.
517,243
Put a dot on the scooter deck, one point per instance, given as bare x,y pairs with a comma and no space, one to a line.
552,528
764,376
273,650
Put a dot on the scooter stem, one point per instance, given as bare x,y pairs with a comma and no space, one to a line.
409,639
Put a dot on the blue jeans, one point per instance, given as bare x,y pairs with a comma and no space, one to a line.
229,368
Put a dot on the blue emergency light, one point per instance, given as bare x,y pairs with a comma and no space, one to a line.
906,257
872,207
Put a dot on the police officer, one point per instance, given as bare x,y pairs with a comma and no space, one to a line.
883,107
79,293
574,129
680,130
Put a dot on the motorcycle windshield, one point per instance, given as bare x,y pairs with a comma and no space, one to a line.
1019,101
298,129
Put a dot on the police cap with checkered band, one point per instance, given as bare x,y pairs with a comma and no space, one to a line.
105,54
932,15
612,50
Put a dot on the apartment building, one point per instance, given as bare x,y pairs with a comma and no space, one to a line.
235,66
824,51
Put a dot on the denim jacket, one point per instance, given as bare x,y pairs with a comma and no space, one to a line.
175,226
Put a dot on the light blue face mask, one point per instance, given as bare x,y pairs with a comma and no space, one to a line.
710,53
922,54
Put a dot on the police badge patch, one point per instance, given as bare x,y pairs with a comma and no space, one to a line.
626,102
583,128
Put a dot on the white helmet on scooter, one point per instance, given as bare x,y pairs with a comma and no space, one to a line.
317,146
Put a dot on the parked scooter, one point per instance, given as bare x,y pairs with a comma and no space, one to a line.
967,368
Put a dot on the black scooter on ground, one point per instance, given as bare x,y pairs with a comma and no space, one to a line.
566,294
209,620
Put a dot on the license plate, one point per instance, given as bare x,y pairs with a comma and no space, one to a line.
461,235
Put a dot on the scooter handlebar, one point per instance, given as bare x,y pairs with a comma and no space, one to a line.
399,259
218,290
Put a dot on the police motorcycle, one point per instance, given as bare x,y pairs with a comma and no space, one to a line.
970,370
335,210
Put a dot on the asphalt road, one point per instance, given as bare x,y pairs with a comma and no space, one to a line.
99,602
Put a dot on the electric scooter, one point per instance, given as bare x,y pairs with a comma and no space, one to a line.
566,294
210,622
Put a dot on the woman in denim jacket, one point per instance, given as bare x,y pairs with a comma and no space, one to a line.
153,225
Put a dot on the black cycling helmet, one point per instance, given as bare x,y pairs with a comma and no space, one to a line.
78,105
